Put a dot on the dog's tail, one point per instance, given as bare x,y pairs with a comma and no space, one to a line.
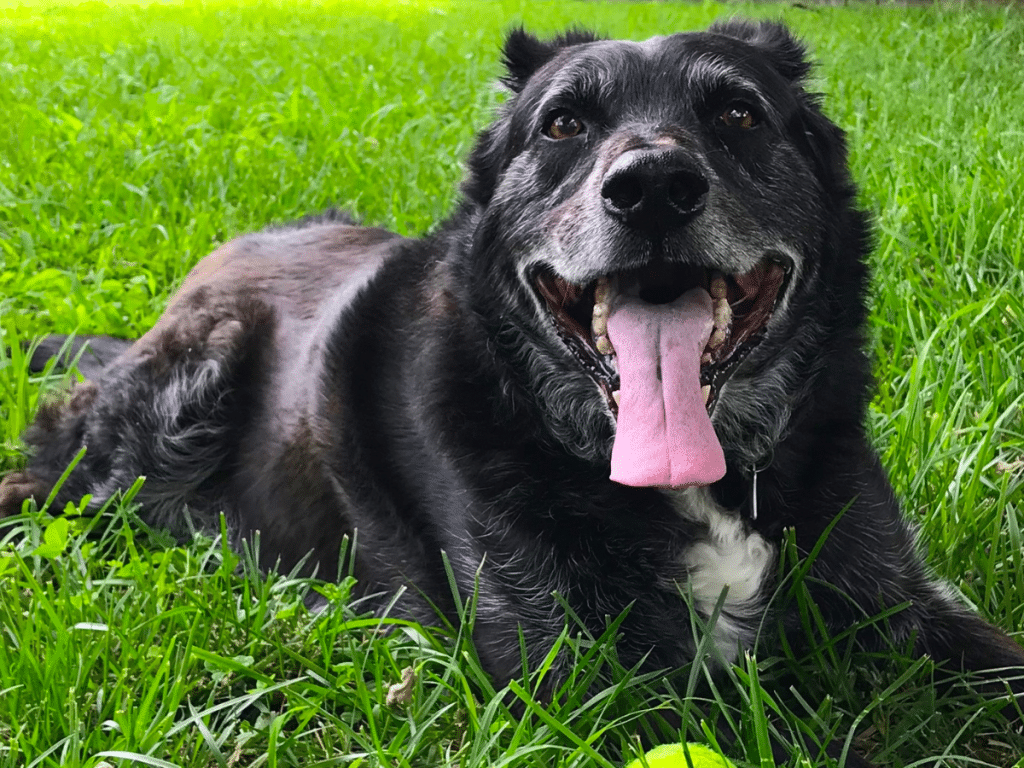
90,354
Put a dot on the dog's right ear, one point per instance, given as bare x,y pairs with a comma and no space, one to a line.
524,53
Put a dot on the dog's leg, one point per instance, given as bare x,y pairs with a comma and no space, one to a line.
15,489
160,411
967,642
869,562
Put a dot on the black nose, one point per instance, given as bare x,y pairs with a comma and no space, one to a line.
655,190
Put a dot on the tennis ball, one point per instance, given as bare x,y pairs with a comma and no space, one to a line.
673,756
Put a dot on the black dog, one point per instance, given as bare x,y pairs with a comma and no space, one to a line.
630,359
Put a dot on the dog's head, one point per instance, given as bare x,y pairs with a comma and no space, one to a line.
690,189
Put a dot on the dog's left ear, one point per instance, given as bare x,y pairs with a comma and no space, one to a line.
823,140
787,54
524,54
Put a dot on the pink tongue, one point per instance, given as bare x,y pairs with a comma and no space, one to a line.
664,435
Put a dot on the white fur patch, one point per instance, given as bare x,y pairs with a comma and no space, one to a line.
732,558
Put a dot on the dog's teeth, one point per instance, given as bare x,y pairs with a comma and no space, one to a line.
617,396
599,319
706,358
706,392
722,319
723,314
718,288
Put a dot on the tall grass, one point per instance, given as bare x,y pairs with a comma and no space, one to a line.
136,137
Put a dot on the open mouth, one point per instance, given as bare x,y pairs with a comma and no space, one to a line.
742,307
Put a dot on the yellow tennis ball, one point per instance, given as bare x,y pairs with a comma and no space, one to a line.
673,756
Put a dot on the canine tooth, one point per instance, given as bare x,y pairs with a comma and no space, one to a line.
706,358
718,288
603,291
599,326
604,345
717,339
706,391
723,313
617,396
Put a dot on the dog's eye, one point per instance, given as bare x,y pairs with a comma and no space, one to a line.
563,125
739,116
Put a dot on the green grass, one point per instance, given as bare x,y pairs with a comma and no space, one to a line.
135,138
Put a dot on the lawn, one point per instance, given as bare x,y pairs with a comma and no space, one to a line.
134,138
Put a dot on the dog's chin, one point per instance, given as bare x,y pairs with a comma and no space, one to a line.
743,306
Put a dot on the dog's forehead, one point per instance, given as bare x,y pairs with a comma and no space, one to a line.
671,67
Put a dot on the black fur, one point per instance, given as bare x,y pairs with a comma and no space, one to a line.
310,382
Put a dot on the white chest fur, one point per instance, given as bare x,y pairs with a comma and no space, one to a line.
731,558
